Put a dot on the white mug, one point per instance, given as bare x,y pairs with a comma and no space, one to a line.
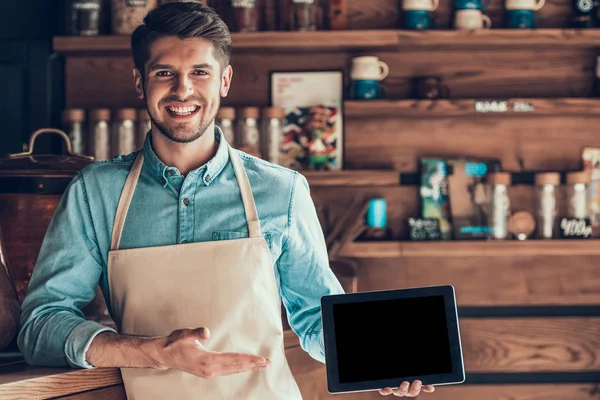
471,19
524,4
426,5
369,68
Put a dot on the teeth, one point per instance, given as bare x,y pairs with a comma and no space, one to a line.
182,110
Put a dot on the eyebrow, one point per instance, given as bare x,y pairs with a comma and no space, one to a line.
167,66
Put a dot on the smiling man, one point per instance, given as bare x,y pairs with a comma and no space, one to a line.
194,244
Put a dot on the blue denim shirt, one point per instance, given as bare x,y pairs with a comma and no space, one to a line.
74,253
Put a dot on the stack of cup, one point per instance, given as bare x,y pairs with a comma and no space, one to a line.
469,15
521,13
417,13
366,74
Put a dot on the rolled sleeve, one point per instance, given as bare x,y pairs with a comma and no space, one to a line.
304,270
54,331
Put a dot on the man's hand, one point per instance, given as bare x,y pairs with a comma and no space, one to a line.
183,350
408,390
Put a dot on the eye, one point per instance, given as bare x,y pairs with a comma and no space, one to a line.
200,72
163,73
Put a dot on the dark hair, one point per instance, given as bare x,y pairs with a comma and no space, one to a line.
185,20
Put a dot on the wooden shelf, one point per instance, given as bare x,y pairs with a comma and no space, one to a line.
508,248
365,39
352,178
526,107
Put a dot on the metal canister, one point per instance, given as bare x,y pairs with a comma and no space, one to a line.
99,136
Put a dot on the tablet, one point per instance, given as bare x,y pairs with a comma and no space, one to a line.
379,339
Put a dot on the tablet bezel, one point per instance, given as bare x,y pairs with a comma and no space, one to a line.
447,291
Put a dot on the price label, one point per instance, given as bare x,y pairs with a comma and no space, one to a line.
492,106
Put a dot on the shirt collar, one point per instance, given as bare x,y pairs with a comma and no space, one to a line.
207,173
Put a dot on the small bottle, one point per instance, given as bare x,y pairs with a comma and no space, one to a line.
245,15
376,222
124,132
225,121
304,12
73,122
248,134
83,17
497,184
577,187
99,135
272,132
143,127
547,206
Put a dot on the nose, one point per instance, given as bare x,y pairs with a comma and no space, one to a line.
182,86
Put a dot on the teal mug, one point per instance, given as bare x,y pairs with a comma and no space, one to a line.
417,19
367,90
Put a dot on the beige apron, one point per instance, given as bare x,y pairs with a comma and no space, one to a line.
228,286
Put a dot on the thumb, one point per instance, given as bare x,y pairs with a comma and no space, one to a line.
202,333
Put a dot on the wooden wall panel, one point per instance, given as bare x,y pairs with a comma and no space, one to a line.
492,281
108,393
532,144
514,392
531,345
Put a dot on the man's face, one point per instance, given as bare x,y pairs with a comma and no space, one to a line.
182,87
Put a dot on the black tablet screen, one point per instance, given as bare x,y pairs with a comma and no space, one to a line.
391,339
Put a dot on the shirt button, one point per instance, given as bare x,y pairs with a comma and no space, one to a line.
186,201
163,180
170,172
207,178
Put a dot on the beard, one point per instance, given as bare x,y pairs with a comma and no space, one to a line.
177,135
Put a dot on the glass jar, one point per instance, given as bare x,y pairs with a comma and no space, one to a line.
577,187
99,137
547,206
225,121
304,13
248,134
245,15
272,133
143,127
270,20
73,124
83,17
126,15
124,132
499,204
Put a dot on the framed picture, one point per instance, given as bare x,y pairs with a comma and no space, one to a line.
313,136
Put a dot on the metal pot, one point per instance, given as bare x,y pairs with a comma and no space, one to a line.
31,186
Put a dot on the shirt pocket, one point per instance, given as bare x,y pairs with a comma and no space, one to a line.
228,235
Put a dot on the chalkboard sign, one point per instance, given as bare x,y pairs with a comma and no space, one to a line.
574,228
424,229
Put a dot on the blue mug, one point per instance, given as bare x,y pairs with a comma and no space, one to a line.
523,19
417,19
367,90
471,4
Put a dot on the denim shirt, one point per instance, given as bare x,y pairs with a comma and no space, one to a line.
74,255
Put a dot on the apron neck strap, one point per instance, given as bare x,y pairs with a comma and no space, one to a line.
246,192
132,180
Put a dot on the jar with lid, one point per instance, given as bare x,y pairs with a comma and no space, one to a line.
376,222
143,127
245,16
547,206
126,15
248,134
577,187
499,204
272,132
124,132
73,124
225,121
83,17
304,14
99,135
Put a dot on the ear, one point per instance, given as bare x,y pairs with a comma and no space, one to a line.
226,80
137,80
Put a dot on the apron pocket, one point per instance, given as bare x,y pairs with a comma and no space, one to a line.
228,235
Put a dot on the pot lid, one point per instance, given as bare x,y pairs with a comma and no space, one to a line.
47,165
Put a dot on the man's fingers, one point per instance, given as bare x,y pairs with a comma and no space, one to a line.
415,389
385,391
202,333
233,363
402,389
428,389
